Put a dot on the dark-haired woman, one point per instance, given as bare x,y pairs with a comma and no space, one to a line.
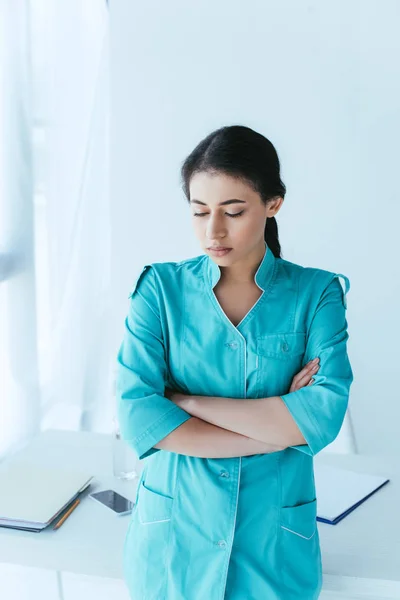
232,374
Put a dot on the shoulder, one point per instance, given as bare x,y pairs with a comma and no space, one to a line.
166,274
315,282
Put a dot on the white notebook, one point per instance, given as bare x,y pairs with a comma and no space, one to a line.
340,491
32,495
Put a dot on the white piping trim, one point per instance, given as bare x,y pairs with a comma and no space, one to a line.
234,524
151,522
251,309
248,312
295,532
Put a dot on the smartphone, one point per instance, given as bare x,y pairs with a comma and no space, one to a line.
114,501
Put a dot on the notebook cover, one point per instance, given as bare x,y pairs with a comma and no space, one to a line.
33,494
340,491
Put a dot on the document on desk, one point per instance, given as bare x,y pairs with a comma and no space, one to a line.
33,495
340,491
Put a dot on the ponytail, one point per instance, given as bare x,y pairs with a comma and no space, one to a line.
271,236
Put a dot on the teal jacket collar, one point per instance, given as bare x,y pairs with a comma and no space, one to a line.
262,277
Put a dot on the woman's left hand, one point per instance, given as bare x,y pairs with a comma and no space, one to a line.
175,397
187,402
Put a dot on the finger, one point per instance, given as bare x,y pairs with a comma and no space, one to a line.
307,369
312,363
306,376
306,372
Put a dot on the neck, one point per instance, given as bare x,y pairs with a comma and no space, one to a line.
243,271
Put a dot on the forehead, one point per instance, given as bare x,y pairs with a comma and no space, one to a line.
217,187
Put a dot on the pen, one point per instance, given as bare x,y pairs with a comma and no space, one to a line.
69,511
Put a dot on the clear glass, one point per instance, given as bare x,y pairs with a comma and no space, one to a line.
125,461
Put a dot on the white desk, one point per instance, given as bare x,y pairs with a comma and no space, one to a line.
361,555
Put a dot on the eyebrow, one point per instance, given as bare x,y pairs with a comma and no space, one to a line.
231,201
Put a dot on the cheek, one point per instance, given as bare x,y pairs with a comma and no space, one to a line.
197,226
249,228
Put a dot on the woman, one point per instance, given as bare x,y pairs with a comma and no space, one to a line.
217,392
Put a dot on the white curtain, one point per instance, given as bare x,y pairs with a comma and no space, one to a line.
19,383
55,362
75,360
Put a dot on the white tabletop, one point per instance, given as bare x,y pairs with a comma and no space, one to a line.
364,547
91,540
366,543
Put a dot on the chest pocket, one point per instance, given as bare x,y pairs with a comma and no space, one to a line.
279,358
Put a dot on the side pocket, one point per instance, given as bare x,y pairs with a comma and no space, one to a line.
300,550
300,520
153,507
148,544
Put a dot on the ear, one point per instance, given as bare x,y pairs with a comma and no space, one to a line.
273,206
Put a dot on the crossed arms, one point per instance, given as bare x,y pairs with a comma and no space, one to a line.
231,427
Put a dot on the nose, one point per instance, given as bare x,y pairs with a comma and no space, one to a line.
215,229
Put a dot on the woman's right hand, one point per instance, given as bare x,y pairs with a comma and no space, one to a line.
304,377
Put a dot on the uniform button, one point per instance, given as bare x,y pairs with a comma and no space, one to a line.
221,543
285,346
234,345
224,474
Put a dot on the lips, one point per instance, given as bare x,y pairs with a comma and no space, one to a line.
219,251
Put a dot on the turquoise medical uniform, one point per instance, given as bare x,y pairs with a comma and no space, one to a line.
238,528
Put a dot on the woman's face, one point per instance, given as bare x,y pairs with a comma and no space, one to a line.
228,212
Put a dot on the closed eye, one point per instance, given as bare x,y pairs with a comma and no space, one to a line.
228,214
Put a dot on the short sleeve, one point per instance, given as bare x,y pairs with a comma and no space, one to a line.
319,409
145,415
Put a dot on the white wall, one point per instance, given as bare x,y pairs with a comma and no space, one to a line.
320,80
